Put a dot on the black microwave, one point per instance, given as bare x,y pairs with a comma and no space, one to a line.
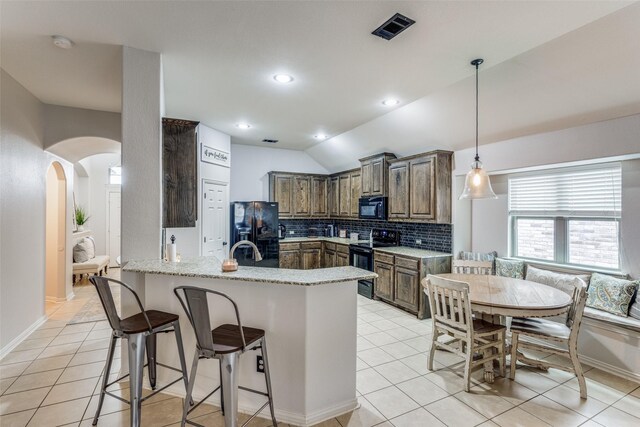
372,208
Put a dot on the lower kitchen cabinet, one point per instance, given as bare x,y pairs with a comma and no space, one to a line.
399,280
342,256
311,255
289,259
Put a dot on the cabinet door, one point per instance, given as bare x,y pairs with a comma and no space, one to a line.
319,196
342,259
407,289
282,192
366,178
334,197
356,190
310,258
329,259
289,259
301,196
399,190
344,208
422,191
384,282
377,177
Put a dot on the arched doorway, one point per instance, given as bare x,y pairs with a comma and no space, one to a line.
55,235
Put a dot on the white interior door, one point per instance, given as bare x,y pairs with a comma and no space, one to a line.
113,230
215,219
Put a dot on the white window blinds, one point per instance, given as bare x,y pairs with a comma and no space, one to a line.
593,192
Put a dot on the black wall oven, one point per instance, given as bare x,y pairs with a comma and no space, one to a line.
362,257
372,208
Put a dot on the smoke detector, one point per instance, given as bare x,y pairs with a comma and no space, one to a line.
62,42
393,26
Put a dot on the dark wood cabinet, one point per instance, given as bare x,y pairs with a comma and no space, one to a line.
302,196
179,173
375,174
319,197
398,206
311,258
334,196
344,188
342,259
299,195
289,258
422,181
356,192
384,282
281,189
407,288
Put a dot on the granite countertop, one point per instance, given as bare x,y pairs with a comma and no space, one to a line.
412,252
211,268
338,240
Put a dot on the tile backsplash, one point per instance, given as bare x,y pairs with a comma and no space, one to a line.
435,237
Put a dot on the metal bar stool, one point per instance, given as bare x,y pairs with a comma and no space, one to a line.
225,343
140,330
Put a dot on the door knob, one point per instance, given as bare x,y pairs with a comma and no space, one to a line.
224,243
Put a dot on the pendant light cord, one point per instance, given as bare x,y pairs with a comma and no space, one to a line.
477,156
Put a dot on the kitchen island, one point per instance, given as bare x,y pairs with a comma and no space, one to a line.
310,321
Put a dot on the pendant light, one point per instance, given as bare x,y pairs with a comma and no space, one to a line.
477,184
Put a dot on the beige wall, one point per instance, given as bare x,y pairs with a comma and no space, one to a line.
56,234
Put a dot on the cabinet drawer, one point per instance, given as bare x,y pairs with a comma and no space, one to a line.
330,246
342,249
311,245
410,263
289,246
378,256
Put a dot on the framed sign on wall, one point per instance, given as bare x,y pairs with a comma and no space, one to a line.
214,156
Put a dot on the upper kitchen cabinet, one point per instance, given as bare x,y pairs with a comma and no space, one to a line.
375,174
179,173
334,196
420,188
356,191
298,195
344,198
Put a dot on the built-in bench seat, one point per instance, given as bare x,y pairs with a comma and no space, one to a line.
622,322
97,265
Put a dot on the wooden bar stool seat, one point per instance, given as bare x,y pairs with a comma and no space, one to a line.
138,323
228,338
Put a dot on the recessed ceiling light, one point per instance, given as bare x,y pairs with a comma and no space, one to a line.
283,78
62,42
243,125
390,102
320,136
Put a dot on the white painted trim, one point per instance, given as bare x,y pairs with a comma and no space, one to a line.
615,370
17,340
112,188
56,299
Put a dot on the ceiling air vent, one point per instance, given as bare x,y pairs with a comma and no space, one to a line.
269,141
394,26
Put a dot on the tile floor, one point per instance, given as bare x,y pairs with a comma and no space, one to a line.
52,379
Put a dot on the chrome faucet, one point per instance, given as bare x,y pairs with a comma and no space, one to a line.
231,264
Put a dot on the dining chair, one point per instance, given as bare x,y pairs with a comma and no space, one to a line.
562,338
463,266
452,316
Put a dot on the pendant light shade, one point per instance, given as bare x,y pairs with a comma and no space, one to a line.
477,184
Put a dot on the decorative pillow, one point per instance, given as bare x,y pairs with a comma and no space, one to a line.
634,309
510,268
84,250
561,281
480,256
611,294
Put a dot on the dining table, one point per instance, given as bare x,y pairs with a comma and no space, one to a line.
495,298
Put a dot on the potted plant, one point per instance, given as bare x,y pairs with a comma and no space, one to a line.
81,217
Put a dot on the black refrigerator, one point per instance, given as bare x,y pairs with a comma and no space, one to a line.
258,223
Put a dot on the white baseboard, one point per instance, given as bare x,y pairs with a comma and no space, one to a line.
615,370
55,299
17,340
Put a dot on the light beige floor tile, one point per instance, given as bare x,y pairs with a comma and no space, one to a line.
59,350
517,417
534,381
69,338
420,343
112,404
422,328
370,317
384,324
77,328
450,381
103,324
553,374
31,381
418,363
629,404
53,324
20,356
613,417
33,343
391,402
591,423
396,372
381,338
402,333
375,356
621,384
22,401
485,403
488,423
18,419
81,372
552,413
88,357
13,370
366,329
60,414
70,391
48,364
99,334
360,364
101,344
598,390
422,390
417,418
364,344
507,389
5,383
365,416
390,313
399,350
452,412
570,398
447,358
368,380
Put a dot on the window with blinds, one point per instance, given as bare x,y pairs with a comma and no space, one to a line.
567,217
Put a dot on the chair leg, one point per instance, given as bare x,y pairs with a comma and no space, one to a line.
105,379
137,344
577,368
267,377
188,398
503,351
514,354
432,352
151,344
183,363
221,389
468,358
229,381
